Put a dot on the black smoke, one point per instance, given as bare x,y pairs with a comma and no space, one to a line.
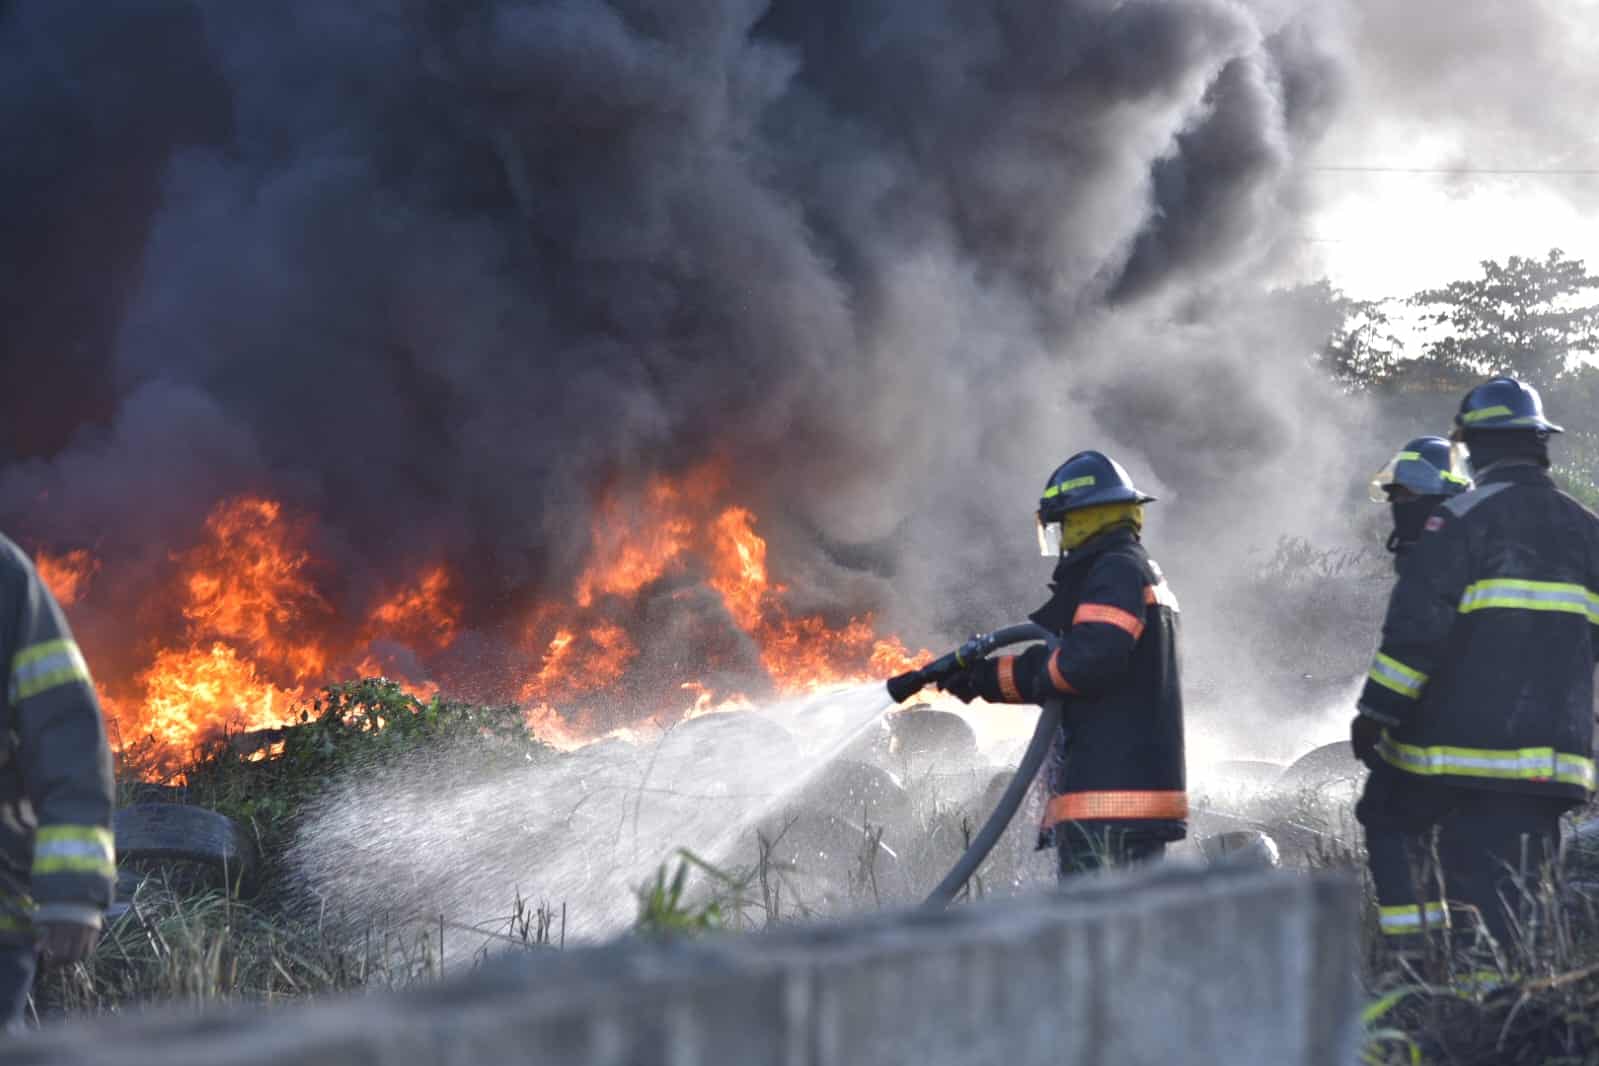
440,270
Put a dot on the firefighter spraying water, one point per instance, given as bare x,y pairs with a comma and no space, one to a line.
1106,676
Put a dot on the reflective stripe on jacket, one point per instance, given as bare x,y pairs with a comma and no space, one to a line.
57,859
1485,673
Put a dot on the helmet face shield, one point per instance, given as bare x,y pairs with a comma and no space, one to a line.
1049,537
1427,466
1382,480
1460,459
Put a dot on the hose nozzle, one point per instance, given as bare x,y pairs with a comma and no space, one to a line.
905,686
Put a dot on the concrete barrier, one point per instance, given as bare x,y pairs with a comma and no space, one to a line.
1165,966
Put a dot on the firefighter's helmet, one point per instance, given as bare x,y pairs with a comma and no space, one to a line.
1086,480
1502,403
1423,467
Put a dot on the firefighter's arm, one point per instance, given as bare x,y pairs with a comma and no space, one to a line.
1421,614
63,759
1094,653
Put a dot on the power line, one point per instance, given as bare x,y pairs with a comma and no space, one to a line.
1585,172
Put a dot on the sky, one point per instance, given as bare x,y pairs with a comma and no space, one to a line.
1458,87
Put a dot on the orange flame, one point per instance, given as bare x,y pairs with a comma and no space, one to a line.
257,631
631,551
678,527
257,636
422,614
248,585
739,567
67,575
705,701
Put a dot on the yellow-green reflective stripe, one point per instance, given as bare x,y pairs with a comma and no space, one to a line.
1402,456
1394,675
1575,770
74,864
1486,412
1067,486
1515,594
1517,764
87,849
1448,475
1413,917
14,913
42,667
88,834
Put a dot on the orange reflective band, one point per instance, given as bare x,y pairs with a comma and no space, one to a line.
1097,806
1007,679
1057,678
1111,616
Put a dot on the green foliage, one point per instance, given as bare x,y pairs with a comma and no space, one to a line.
363,725
1527,317
1364,351
665,910
1577,466
1575,404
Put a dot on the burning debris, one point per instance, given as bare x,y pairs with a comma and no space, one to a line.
242,632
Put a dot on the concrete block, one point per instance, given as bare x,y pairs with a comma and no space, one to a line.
1167,965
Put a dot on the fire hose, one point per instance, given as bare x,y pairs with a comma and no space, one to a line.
906,685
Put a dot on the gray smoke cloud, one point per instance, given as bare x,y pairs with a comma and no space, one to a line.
1485,85
439,269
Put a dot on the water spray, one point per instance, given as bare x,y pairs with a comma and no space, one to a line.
905,685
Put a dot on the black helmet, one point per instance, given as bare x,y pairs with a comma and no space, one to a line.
1087,479
1425,467
1502,403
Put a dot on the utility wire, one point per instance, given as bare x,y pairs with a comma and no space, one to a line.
1585,172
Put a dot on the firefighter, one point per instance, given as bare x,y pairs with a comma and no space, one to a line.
1413,484
57,865
1118,794
1477,716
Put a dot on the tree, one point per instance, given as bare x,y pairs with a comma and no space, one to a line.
1527,317
1363,352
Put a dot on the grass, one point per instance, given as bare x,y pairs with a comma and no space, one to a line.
1531,1002
178,946
1536,1003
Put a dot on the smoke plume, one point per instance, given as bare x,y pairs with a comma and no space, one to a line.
438,271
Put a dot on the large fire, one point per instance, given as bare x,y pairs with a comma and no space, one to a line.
254,633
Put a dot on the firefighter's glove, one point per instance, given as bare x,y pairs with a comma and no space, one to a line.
981,681
961,685
63,943
1364,732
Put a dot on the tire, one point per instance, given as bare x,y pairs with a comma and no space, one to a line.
732,752
922,739
1241,847
858,793
1329,764
1582,851
190,846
